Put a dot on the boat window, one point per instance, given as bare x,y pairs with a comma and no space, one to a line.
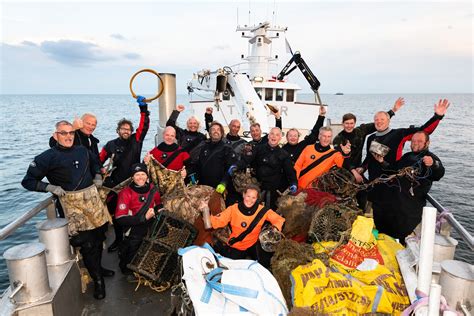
259,92
290,95
268,94
279,95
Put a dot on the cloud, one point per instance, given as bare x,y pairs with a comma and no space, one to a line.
28,43
221,47
132,56
73,53
118,36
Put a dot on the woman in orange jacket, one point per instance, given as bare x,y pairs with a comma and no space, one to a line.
246,219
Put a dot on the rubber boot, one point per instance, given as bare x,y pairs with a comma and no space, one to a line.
91,255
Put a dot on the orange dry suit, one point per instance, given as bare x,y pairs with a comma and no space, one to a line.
239,223
327,158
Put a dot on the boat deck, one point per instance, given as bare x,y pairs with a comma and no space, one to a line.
121,297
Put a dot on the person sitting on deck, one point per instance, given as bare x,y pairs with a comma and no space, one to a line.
168,153
317,159
411,197
188,138
246,219
294,147
137,204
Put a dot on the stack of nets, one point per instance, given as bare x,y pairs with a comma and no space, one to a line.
333,222
338,181
297,215
289,255
188,203
241,179
156,261
166,180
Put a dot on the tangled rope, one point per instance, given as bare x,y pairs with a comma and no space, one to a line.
145,282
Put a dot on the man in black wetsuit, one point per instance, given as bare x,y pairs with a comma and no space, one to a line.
294,147
412,195
273,168
256,131
356,136
232,138
214,159
124,151
72,168
381,195
188,138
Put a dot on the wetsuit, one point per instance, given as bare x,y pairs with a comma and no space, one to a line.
163,153
126,153
307,170
72,169
130,214
274,171
381,195
239,217
213,161
295,150
357,139
411,198
186,139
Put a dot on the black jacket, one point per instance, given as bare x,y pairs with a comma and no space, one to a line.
212,163
272,165
127,152
356,138
295,150
186,139
70,168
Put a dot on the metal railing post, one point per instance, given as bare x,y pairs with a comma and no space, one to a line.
51,211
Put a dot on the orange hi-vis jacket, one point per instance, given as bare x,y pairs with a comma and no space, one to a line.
239,223
307,157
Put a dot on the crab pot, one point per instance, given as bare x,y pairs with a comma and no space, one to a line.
27,272
457,283
53,233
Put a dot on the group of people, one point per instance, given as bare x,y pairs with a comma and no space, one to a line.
74,163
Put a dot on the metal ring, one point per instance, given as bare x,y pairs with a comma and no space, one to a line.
161,84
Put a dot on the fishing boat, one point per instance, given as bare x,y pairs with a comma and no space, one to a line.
247,91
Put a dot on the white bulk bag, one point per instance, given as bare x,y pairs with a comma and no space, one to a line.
222,286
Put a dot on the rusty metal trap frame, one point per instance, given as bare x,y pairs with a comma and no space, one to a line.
157,258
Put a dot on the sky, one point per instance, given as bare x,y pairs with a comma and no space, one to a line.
94,47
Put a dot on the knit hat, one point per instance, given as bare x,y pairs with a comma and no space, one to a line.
139,167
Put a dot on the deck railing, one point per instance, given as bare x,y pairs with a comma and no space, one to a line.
47,204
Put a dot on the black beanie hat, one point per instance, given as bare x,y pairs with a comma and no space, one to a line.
139,167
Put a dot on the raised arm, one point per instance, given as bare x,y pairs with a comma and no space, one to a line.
144,120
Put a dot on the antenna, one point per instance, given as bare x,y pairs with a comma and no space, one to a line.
274,9
237,15
249,13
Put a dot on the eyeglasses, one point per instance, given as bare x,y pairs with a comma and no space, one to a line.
64,133
125,129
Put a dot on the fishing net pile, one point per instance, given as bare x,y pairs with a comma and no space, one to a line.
241,179
338,181
288,255
167,180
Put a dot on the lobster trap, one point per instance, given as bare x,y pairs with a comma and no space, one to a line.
157,259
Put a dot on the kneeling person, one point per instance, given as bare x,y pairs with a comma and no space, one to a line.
135,208
246,219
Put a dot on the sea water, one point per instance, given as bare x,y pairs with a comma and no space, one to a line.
27,122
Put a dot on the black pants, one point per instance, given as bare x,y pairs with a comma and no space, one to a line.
128,249
254,252
269,198
112,198
90,242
